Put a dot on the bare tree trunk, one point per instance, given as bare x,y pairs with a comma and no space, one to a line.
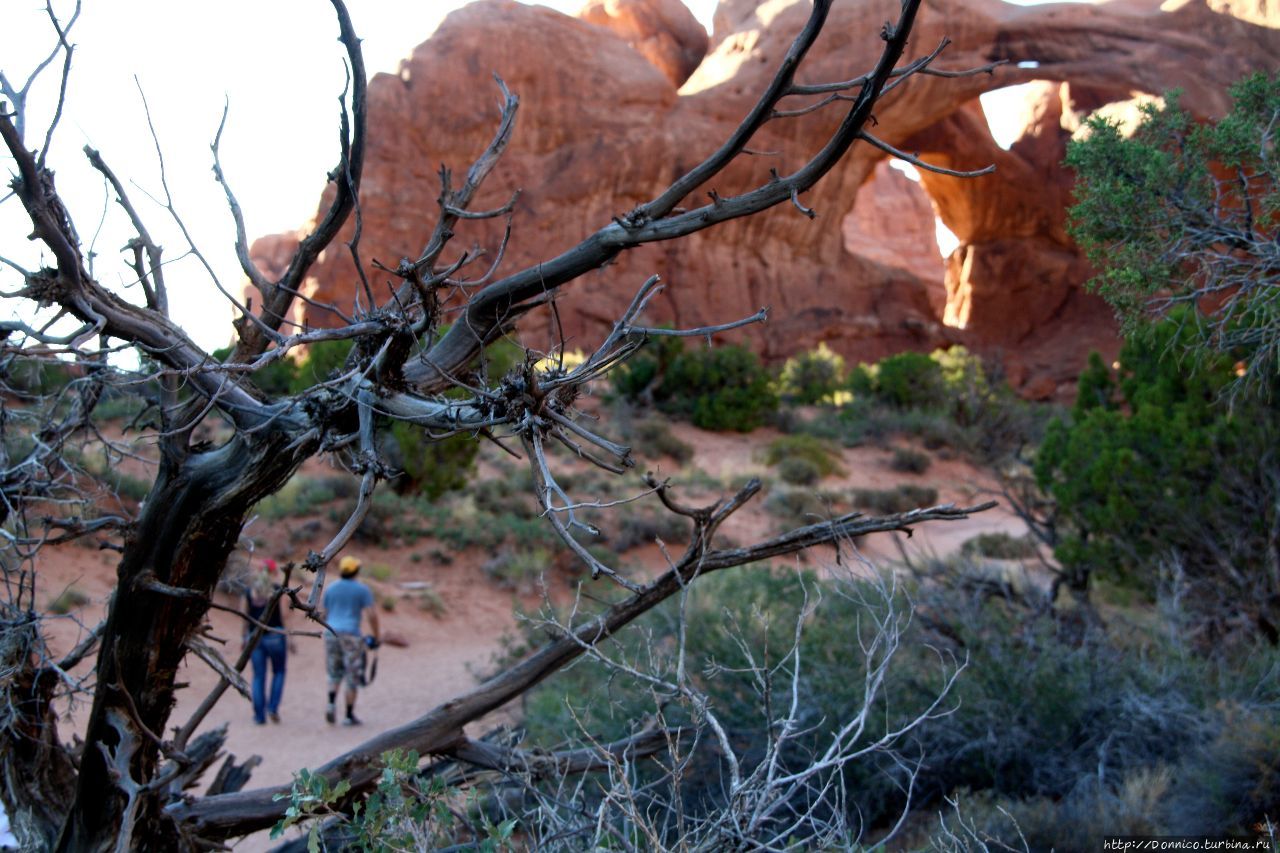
172,561
37,776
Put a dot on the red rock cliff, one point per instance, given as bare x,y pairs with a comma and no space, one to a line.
603,127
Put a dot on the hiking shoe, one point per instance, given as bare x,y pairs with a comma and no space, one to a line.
329,715
351,720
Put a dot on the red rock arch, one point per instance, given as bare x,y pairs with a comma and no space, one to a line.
602,128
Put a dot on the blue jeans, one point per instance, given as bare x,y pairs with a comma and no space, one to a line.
273,648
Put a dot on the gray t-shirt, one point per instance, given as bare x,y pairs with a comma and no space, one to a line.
344,601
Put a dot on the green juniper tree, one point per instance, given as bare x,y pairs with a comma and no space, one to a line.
1185,213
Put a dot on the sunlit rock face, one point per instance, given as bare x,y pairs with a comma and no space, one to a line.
662,31
607,119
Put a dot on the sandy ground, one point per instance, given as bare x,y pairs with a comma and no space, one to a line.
443,654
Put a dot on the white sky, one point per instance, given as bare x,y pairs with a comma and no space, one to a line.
276,62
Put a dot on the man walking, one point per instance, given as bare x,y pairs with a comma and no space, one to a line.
344,602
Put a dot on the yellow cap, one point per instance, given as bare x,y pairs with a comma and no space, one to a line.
348,566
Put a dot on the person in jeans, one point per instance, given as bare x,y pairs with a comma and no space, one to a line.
273,646
344,602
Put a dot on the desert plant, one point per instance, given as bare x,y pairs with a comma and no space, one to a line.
1001,546
637,379
776,633
653,437
901,498
799,471
799,506
518,568
821,456
322,361
910,461
813,376
380,572
910,380
718,388
71,598
1170,470
1180,213
634,528
300,496
431,467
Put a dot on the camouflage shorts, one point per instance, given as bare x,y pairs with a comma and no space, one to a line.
344,658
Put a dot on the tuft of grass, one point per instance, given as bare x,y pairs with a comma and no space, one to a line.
795,507
429,601
379,571
518,569
71,598
300,496
902,498
799,471
804,453
652,437
632,528
908,460
1000,546
387,603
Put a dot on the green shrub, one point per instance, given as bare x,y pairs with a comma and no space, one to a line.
812,377
862,381
393,516
637,377
1123,731
300,496
1231,784
120,406
653,437
718,388
518,568
909,460
797,507
406,811
497,359
380,572
820,455
724,388
1144,197
1159,468
511,493
1001,546
947,399
902,498
799,471
432,466
629,527
910,380
323,361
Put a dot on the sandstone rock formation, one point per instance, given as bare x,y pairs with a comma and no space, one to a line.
662,31
603,127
